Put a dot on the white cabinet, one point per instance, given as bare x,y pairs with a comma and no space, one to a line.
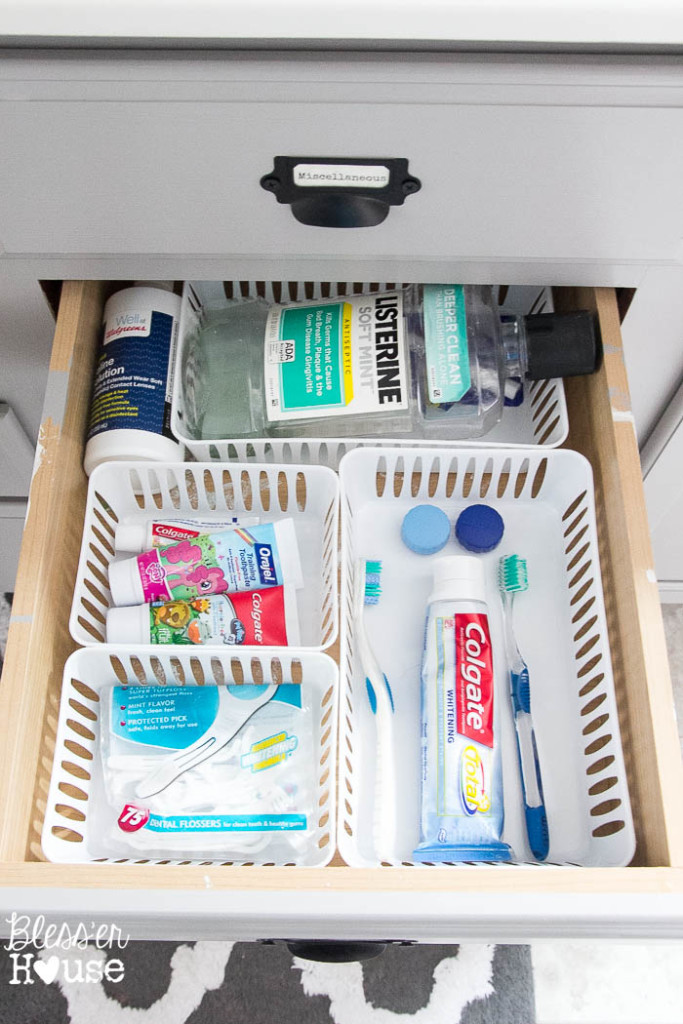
16,463
663,464
539,170
653,348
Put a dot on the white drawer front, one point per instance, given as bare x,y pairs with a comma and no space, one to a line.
519,164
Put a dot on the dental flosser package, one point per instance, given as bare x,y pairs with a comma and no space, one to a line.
205,772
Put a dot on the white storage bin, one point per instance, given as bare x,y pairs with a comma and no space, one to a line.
67,834
546,501
142,491
540,420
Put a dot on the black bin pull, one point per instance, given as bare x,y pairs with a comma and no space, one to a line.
340,192
335,952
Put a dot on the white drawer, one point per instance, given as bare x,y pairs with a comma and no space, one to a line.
502,903
568,163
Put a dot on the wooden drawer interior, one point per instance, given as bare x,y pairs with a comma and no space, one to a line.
601,428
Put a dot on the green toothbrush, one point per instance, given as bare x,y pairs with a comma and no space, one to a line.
512,580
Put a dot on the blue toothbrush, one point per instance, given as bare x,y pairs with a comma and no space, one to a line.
512,579
367,590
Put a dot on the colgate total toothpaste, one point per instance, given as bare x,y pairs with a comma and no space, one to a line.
462,784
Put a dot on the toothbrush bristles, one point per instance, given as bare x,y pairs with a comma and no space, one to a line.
512,574
373,589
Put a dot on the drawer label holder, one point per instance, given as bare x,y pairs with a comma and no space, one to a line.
340,192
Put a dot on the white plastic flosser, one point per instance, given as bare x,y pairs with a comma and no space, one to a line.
233,713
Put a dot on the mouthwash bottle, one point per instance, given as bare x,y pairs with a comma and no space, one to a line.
427,360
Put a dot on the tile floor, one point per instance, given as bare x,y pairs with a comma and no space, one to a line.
579,982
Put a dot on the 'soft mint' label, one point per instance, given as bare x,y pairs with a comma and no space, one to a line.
446,350
336,358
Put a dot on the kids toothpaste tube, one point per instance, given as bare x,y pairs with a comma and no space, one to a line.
157,533
231,560
259,617
462,785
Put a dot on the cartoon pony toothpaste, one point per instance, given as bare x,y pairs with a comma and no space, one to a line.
228,561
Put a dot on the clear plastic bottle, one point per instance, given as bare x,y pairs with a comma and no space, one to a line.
425,361
223,373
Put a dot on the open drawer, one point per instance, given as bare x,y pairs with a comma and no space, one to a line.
498,903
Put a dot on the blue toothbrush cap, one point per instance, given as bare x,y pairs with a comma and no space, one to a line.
479,528
425,529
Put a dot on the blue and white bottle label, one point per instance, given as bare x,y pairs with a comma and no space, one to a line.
446,349
132,385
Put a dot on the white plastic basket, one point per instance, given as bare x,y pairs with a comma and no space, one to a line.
546,501
540,420
141,491
67,837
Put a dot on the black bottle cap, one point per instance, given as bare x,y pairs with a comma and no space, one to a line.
562,344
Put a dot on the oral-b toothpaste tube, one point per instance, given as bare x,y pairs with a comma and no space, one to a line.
462,784
227,561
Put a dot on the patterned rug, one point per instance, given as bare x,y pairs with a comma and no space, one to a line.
248,983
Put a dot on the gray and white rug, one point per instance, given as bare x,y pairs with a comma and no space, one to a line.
248,983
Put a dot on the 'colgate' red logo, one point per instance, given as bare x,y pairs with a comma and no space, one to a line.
474,678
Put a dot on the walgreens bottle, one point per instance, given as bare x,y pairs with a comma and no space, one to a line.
130,411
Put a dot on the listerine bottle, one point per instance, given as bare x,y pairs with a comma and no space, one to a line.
425,361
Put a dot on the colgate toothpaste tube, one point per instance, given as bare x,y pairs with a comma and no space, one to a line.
141,536
227,561
262,618
462,784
